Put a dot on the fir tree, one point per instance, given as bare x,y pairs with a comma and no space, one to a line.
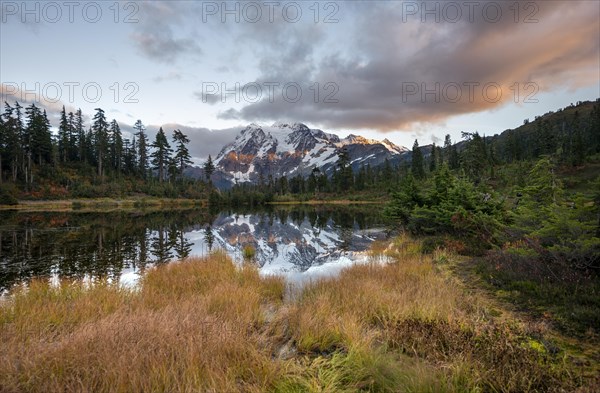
433,159
116,146
72,138
343,175
161,154
182,154
142,146
3,136
209,169
12,143
63,136
418,170
100,138
474,157
38,135
80,132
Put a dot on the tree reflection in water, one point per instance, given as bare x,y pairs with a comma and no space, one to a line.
79,245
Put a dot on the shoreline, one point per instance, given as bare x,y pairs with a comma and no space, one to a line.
111,204
327,202
102,204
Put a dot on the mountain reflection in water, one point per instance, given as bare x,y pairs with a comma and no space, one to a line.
295,242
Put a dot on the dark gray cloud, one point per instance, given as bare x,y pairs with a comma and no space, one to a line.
390,56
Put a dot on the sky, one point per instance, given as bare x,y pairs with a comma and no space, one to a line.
401,70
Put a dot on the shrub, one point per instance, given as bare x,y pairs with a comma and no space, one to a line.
7,196
249,252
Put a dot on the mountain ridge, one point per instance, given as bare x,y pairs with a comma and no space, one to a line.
291,149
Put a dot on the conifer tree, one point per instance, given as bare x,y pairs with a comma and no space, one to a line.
343,175
63,136
142,146
474,157
433,159
161,154
418,170
12,142
209,169
100,138
80,132
38,135
182,154
116,146
3,137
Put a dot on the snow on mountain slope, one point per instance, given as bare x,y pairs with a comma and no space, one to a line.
285,149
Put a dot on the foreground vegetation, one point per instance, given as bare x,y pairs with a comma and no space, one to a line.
208,325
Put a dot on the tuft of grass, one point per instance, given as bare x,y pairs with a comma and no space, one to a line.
249,252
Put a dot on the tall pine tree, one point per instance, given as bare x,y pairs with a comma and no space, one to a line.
161,154
209,169
63,136
142,146
100,137
116,146
418,169
182,155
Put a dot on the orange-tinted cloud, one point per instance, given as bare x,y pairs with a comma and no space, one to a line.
385,84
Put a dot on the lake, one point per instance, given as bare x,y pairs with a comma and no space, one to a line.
298,242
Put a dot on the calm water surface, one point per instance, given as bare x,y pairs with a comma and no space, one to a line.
299,242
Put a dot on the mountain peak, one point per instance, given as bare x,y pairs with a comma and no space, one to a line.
291,126
391,146
357,139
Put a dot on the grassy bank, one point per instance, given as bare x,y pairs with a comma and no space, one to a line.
103,204
207,325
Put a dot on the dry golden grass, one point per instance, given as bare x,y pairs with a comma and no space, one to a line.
207,325
193,326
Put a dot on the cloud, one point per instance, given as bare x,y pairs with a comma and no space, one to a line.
207,98
380,76
11,93
161,46
155,37
171,76
203,141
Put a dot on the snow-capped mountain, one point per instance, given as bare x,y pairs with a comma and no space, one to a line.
294,149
